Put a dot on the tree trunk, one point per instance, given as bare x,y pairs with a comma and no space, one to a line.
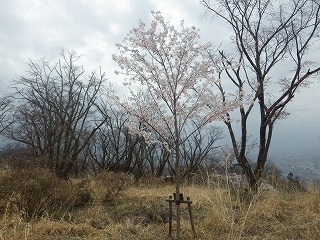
177,183
251,177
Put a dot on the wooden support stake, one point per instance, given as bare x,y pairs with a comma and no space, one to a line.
170,200
191,217
170,217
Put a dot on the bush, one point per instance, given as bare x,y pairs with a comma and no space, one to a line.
294,184
83,194
34,192
110,184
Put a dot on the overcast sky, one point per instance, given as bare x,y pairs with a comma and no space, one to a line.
32,29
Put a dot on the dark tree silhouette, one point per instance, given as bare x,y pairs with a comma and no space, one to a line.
56,113
272,39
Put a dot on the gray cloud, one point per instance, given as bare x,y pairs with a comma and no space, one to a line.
31,29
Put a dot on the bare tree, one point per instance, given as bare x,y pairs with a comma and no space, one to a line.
157,159
271,40
198,148
5,107
113,146
56,112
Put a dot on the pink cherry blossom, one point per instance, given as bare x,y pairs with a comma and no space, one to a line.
176,83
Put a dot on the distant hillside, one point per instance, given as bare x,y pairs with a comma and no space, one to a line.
302,163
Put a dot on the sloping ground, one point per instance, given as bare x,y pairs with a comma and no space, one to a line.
142,213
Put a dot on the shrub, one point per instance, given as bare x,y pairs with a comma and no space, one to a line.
153,181
83,194
110,184
34,192
294,184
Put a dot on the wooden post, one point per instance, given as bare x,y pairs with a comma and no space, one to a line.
191,217
178,201
170,217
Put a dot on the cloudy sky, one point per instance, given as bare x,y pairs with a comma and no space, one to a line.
32,29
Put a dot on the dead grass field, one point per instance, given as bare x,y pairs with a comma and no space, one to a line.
140,212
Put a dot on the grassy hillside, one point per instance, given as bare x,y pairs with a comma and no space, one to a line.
112,206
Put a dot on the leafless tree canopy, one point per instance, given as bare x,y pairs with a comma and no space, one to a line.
5,118
273,42
56,114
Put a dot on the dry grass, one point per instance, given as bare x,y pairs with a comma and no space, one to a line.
140,212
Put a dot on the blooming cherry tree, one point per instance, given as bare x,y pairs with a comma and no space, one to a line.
170,77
